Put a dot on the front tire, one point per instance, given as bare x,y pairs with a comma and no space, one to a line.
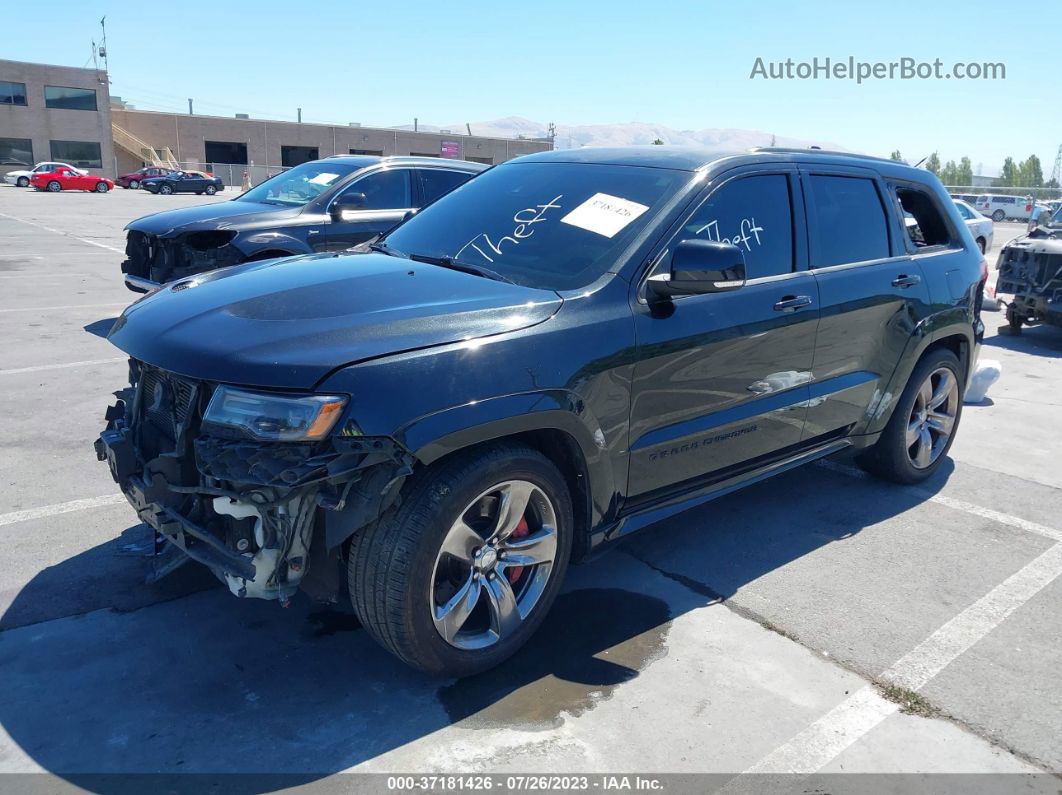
459,577
54,186
920,432
22,182
211,190
102,187
134,184
165,190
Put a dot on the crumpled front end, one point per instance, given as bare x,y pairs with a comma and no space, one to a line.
265,517
1030,269
154,259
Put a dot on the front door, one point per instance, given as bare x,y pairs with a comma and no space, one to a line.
388,196
720,382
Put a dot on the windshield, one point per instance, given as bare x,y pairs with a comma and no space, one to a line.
1057,217
557,226
297,186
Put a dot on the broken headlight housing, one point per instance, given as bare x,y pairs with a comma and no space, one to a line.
274,418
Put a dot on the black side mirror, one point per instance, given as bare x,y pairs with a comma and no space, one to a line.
348,201
698,267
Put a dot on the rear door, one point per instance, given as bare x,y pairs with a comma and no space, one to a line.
388,197
873,295
435,182
720,382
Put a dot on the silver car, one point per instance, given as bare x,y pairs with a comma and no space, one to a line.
980,227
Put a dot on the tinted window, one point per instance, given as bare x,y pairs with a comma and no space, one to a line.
434,182
384,190
964,212
558,226
753,213
849,222
923,222
84,154
16,152
69,98
12,93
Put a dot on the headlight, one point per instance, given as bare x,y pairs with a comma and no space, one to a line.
275,418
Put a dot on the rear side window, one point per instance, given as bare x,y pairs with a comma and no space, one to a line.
754,213
924,224
385,190
849,221
436,182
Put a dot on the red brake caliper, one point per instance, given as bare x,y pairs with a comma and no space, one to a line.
521,530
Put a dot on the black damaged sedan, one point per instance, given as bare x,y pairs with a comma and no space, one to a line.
562,351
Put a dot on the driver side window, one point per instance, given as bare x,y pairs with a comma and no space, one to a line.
384,190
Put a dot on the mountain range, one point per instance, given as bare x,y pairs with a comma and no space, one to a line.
626,134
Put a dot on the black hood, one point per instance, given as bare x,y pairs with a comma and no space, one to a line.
287,323
220,215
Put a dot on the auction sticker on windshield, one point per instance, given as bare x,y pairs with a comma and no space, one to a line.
606,215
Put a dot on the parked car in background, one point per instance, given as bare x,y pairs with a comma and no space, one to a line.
1000,207
1030,270
68,178
183,182
564,350
966,197
22,178
133,180
980,227
323,205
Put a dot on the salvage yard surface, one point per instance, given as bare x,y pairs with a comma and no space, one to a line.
819,622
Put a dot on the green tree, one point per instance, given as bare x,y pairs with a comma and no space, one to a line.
657,142
1031,173
933,164
949,175
965,174
897,156
1008,177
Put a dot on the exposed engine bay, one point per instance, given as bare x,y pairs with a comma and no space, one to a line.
265,517
1030,269
163,259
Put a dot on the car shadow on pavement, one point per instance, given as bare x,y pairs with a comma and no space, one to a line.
1036,341
210,684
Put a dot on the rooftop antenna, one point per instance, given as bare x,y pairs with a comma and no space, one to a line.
920,162
103,42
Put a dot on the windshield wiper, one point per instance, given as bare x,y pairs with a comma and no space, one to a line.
464,267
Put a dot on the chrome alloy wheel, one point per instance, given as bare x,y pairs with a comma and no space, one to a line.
932,418
493,565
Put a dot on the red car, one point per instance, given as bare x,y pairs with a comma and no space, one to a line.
68,179
133,180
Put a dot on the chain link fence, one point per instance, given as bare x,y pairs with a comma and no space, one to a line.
232,173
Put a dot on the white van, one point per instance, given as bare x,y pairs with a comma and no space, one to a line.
998,207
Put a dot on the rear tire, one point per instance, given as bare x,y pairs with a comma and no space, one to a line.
54,186
211,190
998,216
912,447
407,570
981,244
22,182
134,184
165,190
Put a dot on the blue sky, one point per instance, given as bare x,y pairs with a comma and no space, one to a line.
685,65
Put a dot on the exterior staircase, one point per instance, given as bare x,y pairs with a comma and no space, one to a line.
162,158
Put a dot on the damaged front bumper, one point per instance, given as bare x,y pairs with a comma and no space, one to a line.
1030,269
266,518
153,260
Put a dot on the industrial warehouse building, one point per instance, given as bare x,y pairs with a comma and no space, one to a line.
62,113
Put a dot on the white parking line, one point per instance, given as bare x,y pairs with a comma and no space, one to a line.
38,368
58,508
70,306
825,739
60,232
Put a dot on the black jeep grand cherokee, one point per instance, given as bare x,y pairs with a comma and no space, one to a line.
565,349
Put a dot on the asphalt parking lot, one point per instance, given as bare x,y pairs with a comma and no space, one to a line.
819,622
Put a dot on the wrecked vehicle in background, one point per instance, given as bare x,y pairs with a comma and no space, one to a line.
323,205
1030,270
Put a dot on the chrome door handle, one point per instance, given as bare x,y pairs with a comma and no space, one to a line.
791,303
903,281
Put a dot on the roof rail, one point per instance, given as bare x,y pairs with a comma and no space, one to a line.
817,151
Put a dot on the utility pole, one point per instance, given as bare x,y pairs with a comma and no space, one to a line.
1056,172
190,111
300,115
414,124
